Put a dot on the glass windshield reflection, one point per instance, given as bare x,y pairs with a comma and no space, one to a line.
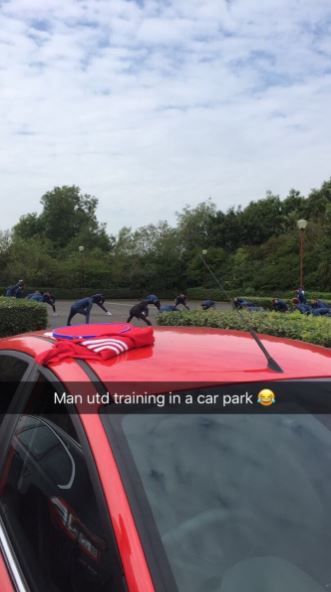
241,502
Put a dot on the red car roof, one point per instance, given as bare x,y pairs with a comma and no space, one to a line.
205,355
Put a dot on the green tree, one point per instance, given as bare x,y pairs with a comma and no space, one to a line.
68,219
29,226
5,246
194,225
318,201
256,247
69,216
261,219
198,274
225,229
29,260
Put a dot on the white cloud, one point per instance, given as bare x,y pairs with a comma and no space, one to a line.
152,105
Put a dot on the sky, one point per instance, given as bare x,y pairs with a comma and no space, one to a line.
154,104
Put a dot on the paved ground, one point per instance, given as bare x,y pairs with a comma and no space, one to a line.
118,308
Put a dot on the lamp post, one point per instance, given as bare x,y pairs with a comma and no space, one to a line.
202,256
81,249
302,225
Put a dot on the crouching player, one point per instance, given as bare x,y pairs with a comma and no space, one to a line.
320,308
169,308
49,298
84,307
279,305
182,299
16,291
46,297
207,304
140,310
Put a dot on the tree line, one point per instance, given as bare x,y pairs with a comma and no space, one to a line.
251,249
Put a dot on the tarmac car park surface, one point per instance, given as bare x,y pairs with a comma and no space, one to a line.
118,308
199,501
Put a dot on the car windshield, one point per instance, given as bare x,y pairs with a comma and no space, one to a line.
238,501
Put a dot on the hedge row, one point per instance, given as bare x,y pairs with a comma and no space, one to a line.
291,325
200,293
19,316
110,293
267,302
217,294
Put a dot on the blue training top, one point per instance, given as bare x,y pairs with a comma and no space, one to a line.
36,296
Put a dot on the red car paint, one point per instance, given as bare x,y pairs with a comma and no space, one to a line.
201,355
185,355
5,581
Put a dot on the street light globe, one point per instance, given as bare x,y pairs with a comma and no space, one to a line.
302,224
81,248
204,251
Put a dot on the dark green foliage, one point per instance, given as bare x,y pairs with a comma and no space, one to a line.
68,219
114,293
252,250
216,294
201,293
291,325
19,316
266,302
129,293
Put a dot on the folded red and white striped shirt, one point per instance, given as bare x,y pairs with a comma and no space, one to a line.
103,347
118,346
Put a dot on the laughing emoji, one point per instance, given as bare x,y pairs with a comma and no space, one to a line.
266,397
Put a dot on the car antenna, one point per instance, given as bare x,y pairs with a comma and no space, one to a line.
272,364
